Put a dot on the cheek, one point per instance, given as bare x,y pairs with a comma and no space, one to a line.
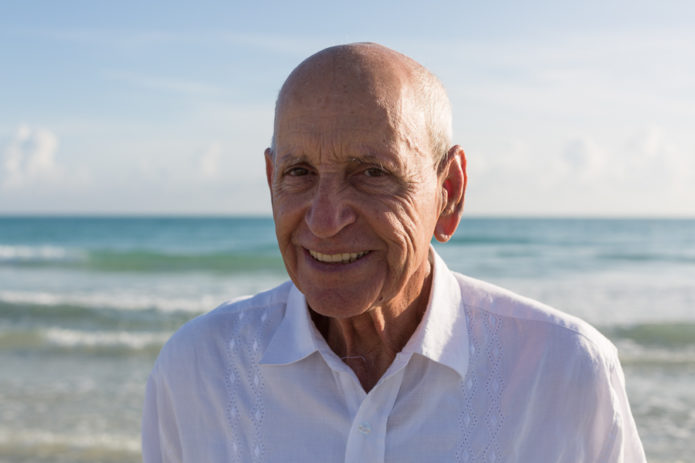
415,216
286,213
284,229
406,231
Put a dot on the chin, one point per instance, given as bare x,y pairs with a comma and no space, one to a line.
338,303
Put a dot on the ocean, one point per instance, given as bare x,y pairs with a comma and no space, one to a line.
86,304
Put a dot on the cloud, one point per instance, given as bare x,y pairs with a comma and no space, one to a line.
643,173
129,39
29,157
210,161
583,159
167,84
658,160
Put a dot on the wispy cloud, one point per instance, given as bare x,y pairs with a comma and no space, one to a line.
563,114
162,83
129,38
210,161
102,36
643,173
29,156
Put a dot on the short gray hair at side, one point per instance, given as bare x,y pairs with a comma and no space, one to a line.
435,103
437,110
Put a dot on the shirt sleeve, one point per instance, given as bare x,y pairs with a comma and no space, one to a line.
578,410
160,436
625,446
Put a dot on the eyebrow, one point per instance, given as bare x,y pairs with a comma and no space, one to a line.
290,158
388,164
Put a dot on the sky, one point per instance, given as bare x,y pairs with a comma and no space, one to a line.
130,107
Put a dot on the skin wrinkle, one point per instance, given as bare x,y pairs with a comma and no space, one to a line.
340,113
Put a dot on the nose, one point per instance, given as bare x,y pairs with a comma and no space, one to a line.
330,210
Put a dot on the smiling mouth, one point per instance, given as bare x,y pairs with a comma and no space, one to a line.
343,258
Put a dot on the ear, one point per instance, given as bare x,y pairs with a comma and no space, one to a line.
453,180
269,167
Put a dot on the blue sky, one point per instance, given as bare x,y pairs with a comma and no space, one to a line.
581,108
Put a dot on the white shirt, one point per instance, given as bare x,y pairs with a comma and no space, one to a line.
488,376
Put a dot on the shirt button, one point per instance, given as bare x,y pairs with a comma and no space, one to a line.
364,428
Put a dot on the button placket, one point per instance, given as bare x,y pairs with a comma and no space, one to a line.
367,438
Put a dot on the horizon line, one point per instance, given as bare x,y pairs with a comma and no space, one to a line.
197,215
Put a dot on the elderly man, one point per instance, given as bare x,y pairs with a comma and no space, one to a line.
376,351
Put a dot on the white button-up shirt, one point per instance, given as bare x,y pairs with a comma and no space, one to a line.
488,376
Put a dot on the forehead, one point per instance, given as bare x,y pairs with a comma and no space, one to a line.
341,114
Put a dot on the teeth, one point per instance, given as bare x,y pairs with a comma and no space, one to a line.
344,258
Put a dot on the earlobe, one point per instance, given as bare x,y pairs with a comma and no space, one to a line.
453,193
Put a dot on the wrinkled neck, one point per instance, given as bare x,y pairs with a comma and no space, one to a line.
369,342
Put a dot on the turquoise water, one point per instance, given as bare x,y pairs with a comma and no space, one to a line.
86,303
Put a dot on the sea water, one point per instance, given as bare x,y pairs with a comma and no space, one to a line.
86,304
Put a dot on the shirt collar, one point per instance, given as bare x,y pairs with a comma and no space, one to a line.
441,336
296,337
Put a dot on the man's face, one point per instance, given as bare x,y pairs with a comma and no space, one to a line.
355,197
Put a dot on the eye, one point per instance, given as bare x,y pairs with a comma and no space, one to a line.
297,171
375,172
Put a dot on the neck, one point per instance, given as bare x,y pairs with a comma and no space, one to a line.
368,343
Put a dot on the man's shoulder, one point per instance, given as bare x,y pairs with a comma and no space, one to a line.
238,308
273,297
207,335
523,314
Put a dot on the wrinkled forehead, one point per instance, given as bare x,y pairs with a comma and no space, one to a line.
349,121
338,110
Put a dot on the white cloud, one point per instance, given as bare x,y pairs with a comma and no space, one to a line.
658,161
36,177
562,121
210,161
583,160
30,157
645,173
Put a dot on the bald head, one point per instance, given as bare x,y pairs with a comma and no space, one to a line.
389,82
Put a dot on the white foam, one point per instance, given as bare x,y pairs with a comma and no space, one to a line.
42,253
178,293
34,297
131,340
13,437
112,300
632,353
